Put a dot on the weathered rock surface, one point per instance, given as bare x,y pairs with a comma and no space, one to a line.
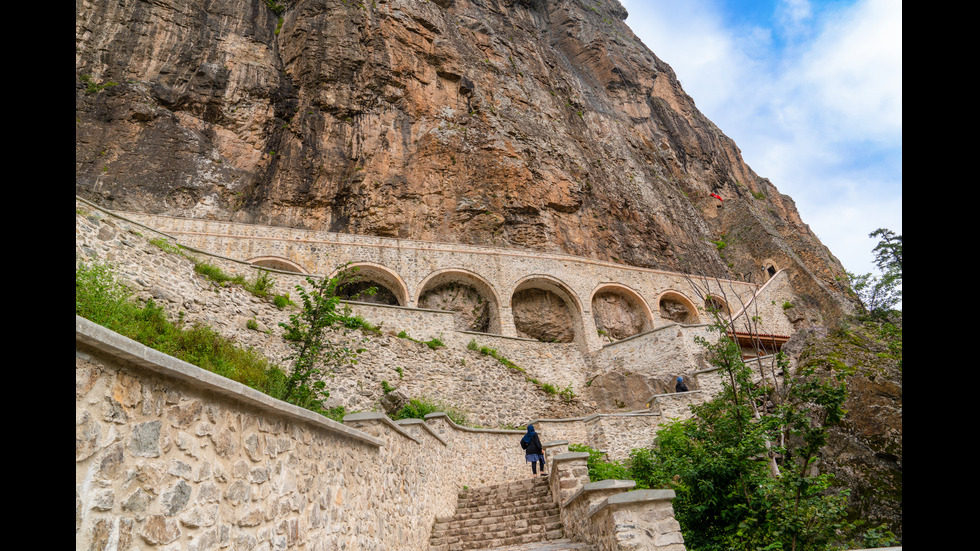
528,123
864,453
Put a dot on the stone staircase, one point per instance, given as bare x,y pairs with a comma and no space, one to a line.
510,514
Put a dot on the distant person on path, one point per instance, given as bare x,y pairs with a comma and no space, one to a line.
680,386
533,451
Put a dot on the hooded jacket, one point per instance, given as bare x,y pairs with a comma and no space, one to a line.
533,443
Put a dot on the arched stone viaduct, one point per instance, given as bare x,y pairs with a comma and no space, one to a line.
509,291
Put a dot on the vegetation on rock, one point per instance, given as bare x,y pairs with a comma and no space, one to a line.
753,468
103,300
314,355
418,408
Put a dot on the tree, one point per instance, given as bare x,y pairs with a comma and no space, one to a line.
888,252
314,355
743,467
880,294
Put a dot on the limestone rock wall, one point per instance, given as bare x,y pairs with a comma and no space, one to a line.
534,125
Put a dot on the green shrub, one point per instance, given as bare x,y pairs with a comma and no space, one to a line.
262,285
216,274
166,245
282,301
99,298
599,467
314,355
432,343
567,394
418,408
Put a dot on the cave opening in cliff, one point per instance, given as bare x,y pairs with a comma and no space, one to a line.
390,290
716,305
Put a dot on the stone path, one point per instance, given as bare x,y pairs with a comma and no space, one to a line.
517,516
556,545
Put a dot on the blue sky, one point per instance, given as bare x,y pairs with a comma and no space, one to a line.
811,92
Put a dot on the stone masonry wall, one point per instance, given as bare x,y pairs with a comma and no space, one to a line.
490,393
170,456
665,352
503,271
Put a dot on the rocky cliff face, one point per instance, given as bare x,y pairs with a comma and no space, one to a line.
537,124
863,453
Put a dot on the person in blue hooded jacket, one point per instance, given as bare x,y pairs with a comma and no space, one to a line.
533,451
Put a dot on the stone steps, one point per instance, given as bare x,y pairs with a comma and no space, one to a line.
515,513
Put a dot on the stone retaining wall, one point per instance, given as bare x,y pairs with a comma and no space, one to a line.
610,514
491,394
170,456
408,265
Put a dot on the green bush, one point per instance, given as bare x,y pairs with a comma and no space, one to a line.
418,408
216,274
262,285
432,343
599,467
281,301
315,356
99,298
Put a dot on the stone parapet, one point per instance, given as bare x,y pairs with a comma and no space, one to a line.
677,405
577,508
569,472
609,514
664,352
171,456
641,519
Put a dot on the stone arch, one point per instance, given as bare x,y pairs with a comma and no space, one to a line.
471,297
675,307
715,303
620,312
278,263
391,289
544,308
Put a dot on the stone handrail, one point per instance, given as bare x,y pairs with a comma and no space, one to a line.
97,336
610,514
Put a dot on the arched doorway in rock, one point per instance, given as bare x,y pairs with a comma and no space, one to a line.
471,298
770,268
619,312
545,309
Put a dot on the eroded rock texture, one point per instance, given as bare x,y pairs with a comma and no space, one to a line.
544,125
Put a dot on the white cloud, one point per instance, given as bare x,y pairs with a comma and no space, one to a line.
854,70
821,116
